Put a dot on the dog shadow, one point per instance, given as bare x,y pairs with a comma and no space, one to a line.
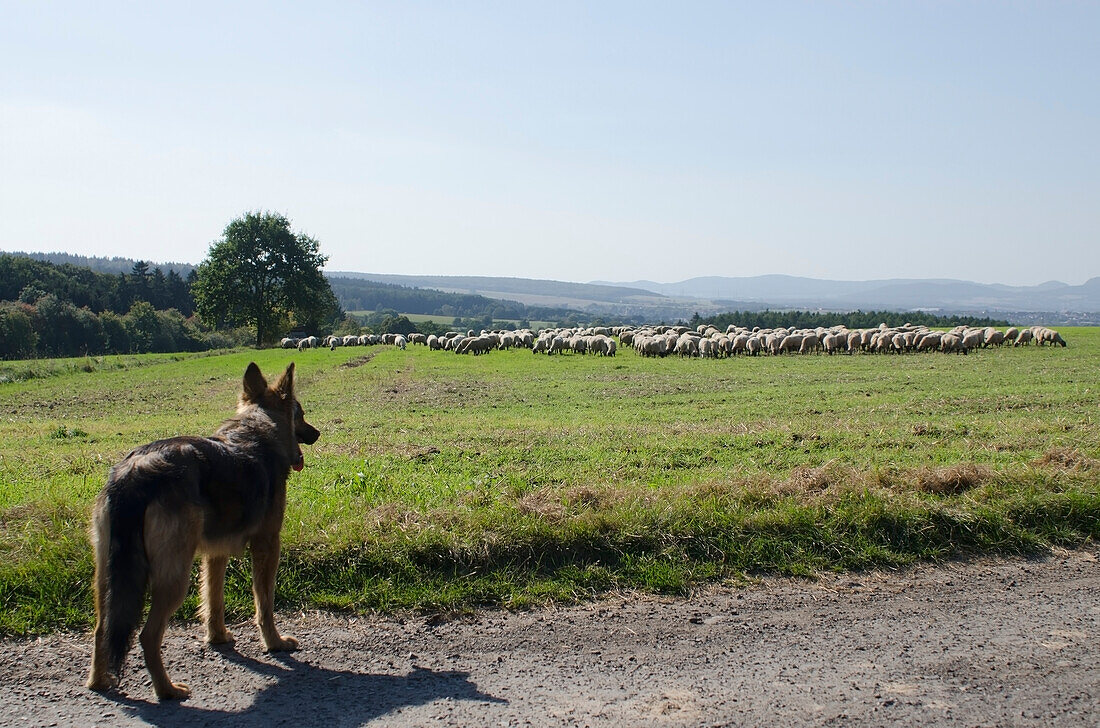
304,694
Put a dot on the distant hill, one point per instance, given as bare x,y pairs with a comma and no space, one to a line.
363,294
941,295
623,303
1053,302
513,286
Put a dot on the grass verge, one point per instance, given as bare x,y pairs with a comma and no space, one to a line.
574,543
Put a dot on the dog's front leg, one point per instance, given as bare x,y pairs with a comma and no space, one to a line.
213,599
265,561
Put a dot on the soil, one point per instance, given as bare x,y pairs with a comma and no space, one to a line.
980,642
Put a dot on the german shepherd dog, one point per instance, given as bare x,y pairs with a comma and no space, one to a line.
172,498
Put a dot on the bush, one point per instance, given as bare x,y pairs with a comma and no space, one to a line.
18,339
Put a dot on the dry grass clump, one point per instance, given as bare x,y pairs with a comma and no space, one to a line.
555,505
804,479
1065,458
951,480
393,515
545,504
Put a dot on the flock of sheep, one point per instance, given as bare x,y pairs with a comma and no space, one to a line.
331,342
709,342
706,341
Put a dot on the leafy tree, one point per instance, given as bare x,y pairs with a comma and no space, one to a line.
142,326
397,325
114,330
348,325
261,273
18,339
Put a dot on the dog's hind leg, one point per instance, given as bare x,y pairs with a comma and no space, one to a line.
265,561
170,545
100,677
213,599
168,591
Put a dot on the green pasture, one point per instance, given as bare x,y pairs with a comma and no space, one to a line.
443,482
420,318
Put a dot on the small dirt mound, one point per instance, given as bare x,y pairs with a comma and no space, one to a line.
952,480
357,361
804,479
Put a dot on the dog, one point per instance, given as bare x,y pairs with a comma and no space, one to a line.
172,498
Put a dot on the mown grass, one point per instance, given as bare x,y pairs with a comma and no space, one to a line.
444,482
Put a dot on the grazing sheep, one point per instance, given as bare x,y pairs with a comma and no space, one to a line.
855,341
973,338
792,343
1024,338
1044,336
602,345
686,346
930,341
476,345
1011,333
952,343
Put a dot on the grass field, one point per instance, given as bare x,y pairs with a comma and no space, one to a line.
420,318
443,482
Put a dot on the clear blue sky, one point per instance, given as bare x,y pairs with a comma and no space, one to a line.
574,141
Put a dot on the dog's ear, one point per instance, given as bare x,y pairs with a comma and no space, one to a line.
254,384
285,386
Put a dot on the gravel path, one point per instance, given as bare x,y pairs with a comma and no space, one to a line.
983,642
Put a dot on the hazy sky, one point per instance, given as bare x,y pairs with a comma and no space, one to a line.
574,141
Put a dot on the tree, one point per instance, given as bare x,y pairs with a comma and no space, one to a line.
260,274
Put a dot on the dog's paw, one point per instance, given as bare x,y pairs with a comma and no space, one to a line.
220,637
102,683
283,644
173,691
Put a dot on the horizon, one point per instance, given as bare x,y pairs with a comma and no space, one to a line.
598,282
619,142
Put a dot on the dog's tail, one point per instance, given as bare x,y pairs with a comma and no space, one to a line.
122,572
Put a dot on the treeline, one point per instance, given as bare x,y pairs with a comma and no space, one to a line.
356,294
26,279
64,310
851,319
51,327
113,264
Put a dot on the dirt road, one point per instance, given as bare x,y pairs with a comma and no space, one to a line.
985,642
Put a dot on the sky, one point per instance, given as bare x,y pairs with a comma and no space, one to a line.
573,141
